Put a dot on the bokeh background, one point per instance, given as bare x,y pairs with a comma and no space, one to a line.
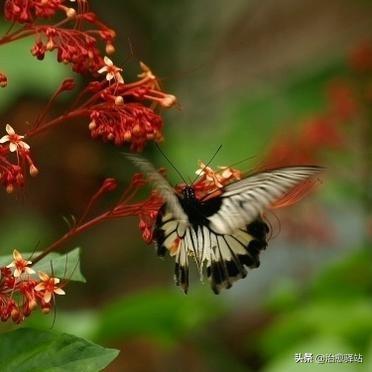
275,82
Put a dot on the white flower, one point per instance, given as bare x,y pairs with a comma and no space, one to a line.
20,265
49,286
14,139
112,71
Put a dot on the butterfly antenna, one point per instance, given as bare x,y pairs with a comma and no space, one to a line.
209,162
34,250
172,165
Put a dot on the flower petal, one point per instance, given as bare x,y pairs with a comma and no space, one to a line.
9,129
28,270
59,291
102,70
108,61
44,277
47,297
109,76
12,147
17,273
39,287
16,255
4,139
23,144
119,78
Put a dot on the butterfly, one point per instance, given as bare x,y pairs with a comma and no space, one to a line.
223,232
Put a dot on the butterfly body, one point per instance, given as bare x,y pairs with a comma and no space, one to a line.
196,210
223,231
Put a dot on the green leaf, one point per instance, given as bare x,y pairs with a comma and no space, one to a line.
81,323
28,349
165,315
64,266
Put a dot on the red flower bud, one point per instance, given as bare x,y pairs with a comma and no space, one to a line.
68,84
109,184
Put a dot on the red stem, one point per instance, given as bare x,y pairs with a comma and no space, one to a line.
57,121
74,231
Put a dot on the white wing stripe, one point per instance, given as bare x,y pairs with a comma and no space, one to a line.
245,200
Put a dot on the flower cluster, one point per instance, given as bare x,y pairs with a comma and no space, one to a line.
26,11
21,292
148,215
13,174
75,38
117,110
120,113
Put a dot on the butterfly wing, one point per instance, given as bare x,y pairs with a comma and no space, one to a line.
232,235
161,185
245,200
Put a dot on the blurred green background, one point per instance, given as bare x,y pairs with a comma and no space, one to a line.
248,75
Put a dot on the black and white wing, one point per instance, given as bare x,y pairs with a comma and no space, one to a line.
224,257
243,201
160,184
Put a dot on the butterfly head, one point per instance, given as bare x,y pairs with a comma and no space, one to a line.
188,192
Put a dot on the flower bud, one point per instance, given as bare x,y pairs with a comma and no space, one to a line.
110,49
127,136
92,125
9,188
32,304
16,315
168,101
68,84
3,80
33,170
110,184
70,13
136,129
119,100
45,309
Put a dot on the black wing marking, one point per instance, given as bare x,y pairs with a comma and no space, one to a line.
245,200
161,185
225,256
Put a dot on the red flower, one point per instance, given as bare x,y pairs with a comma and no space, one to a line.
13,175
73,46
132,123
20,294
25,11
3,80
